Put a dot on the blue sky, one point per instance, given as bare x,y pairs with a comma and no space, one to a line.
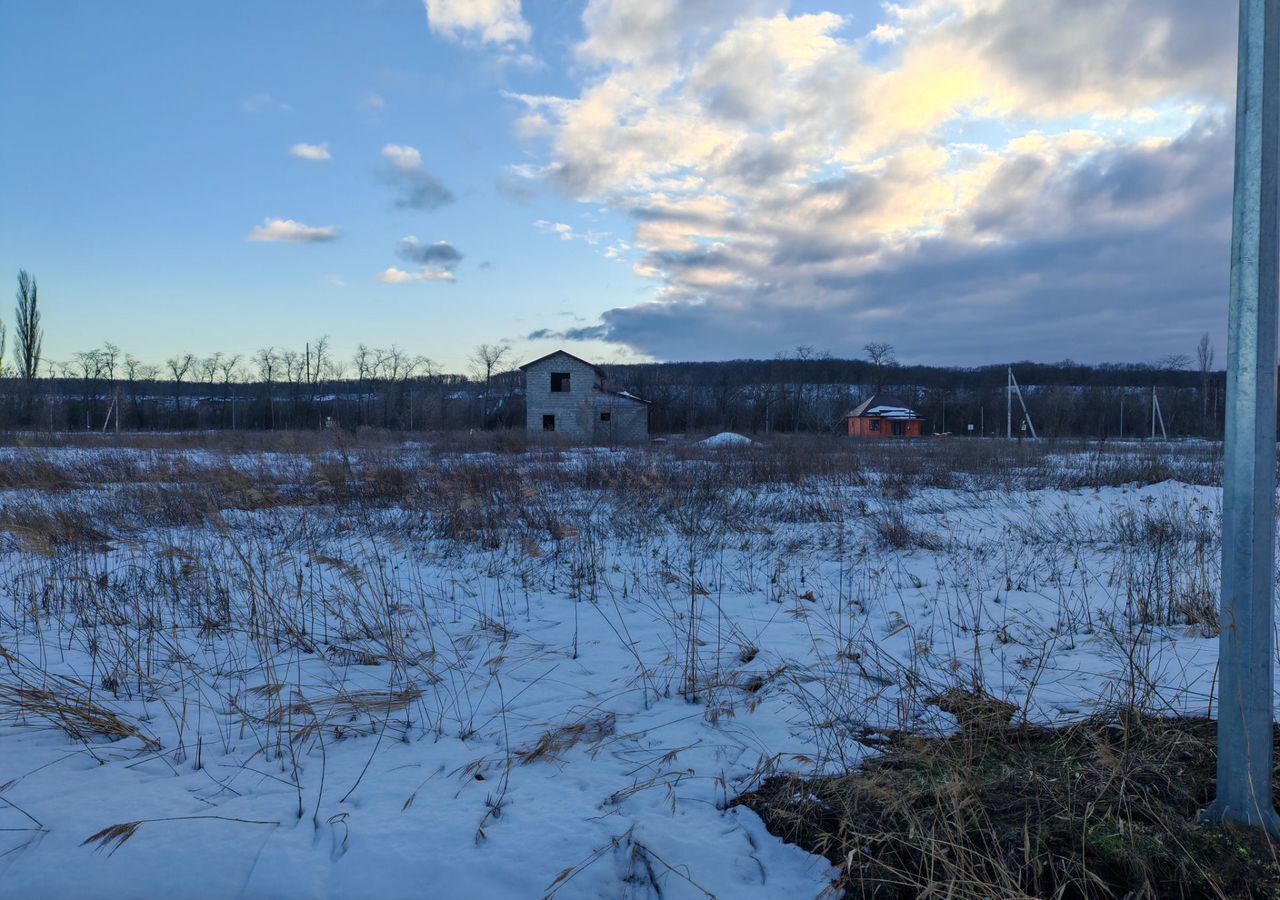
629,180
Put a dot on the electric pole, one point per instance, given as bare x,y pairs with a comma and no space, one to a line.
1246,680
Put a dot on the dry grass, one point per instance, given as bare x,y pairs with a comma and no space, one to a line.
556,742
274,596
342,712
65,704
1101,809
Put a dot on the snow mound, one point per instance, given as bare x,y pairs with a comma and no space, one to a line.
727,439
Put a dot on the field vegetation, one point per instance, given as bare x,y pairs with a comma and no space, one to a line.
346,664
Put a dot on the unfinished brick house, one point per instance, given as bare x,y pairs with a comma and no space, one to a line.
568,396
885,417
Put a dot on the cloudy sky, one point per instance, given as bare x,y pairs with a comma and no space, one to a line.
970,180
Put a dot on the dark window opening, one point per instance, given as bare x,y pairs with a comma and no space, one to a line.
559,382
899,429
548,423
875,425
604,417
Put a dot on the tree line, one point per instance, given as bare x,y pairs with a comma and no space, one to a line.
803,390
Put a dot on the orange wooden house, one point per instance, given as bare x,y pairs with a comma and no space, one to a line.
878,418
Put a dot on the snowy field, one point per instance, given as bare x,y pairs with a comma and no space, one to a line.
395,671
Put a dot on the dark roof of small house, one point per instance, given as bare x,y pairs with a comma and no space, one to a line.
599,371
876,407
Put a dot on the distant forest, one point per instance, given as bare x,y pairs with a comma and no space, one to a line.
280,389
752,396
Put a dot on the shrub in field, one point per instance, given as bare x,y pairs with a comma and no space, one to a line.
895,530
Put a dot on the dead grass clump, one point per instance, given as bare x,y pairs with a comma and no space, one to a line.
303,716
172,506
32,471
893,530
557,741
1101,809
1115,466
370,703
1168,564
48,529
66,705
1172,589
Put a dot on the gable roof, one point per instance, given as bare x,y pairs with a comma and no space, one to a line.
888,408
599,371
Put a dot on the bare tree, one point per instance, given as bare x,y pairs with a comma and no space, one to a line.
208,367
29,337
88,366
293,367
267,360
132,368
178,367
366,362
109,357
317,361
1173,362
881,355
1204,357
396,367
484,362
316,364
227,365
135,371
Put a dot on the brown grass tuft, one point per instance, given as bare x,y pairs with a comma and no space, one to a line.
558,741
67,706
1101,809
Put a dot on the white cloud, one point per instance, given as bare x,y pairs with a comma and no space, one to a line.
634,31
567,232
887,34
487,21
311,152
560,228
289,231
759,152
392,275
264,102
405,158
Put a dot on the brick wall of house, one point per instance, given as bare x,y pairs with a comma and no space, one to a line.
627,423
574,410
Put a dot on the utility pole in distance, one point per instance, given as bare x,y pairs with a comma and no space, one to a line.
1246,680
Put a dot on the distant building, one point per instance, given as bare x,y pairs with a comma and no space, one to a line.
569,396
884,417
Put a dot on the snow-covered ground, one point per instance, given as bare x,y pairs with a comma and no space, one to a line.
402,675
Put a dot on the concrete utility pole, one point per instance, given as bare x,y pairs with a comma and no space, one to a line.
1246,681
1008,405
